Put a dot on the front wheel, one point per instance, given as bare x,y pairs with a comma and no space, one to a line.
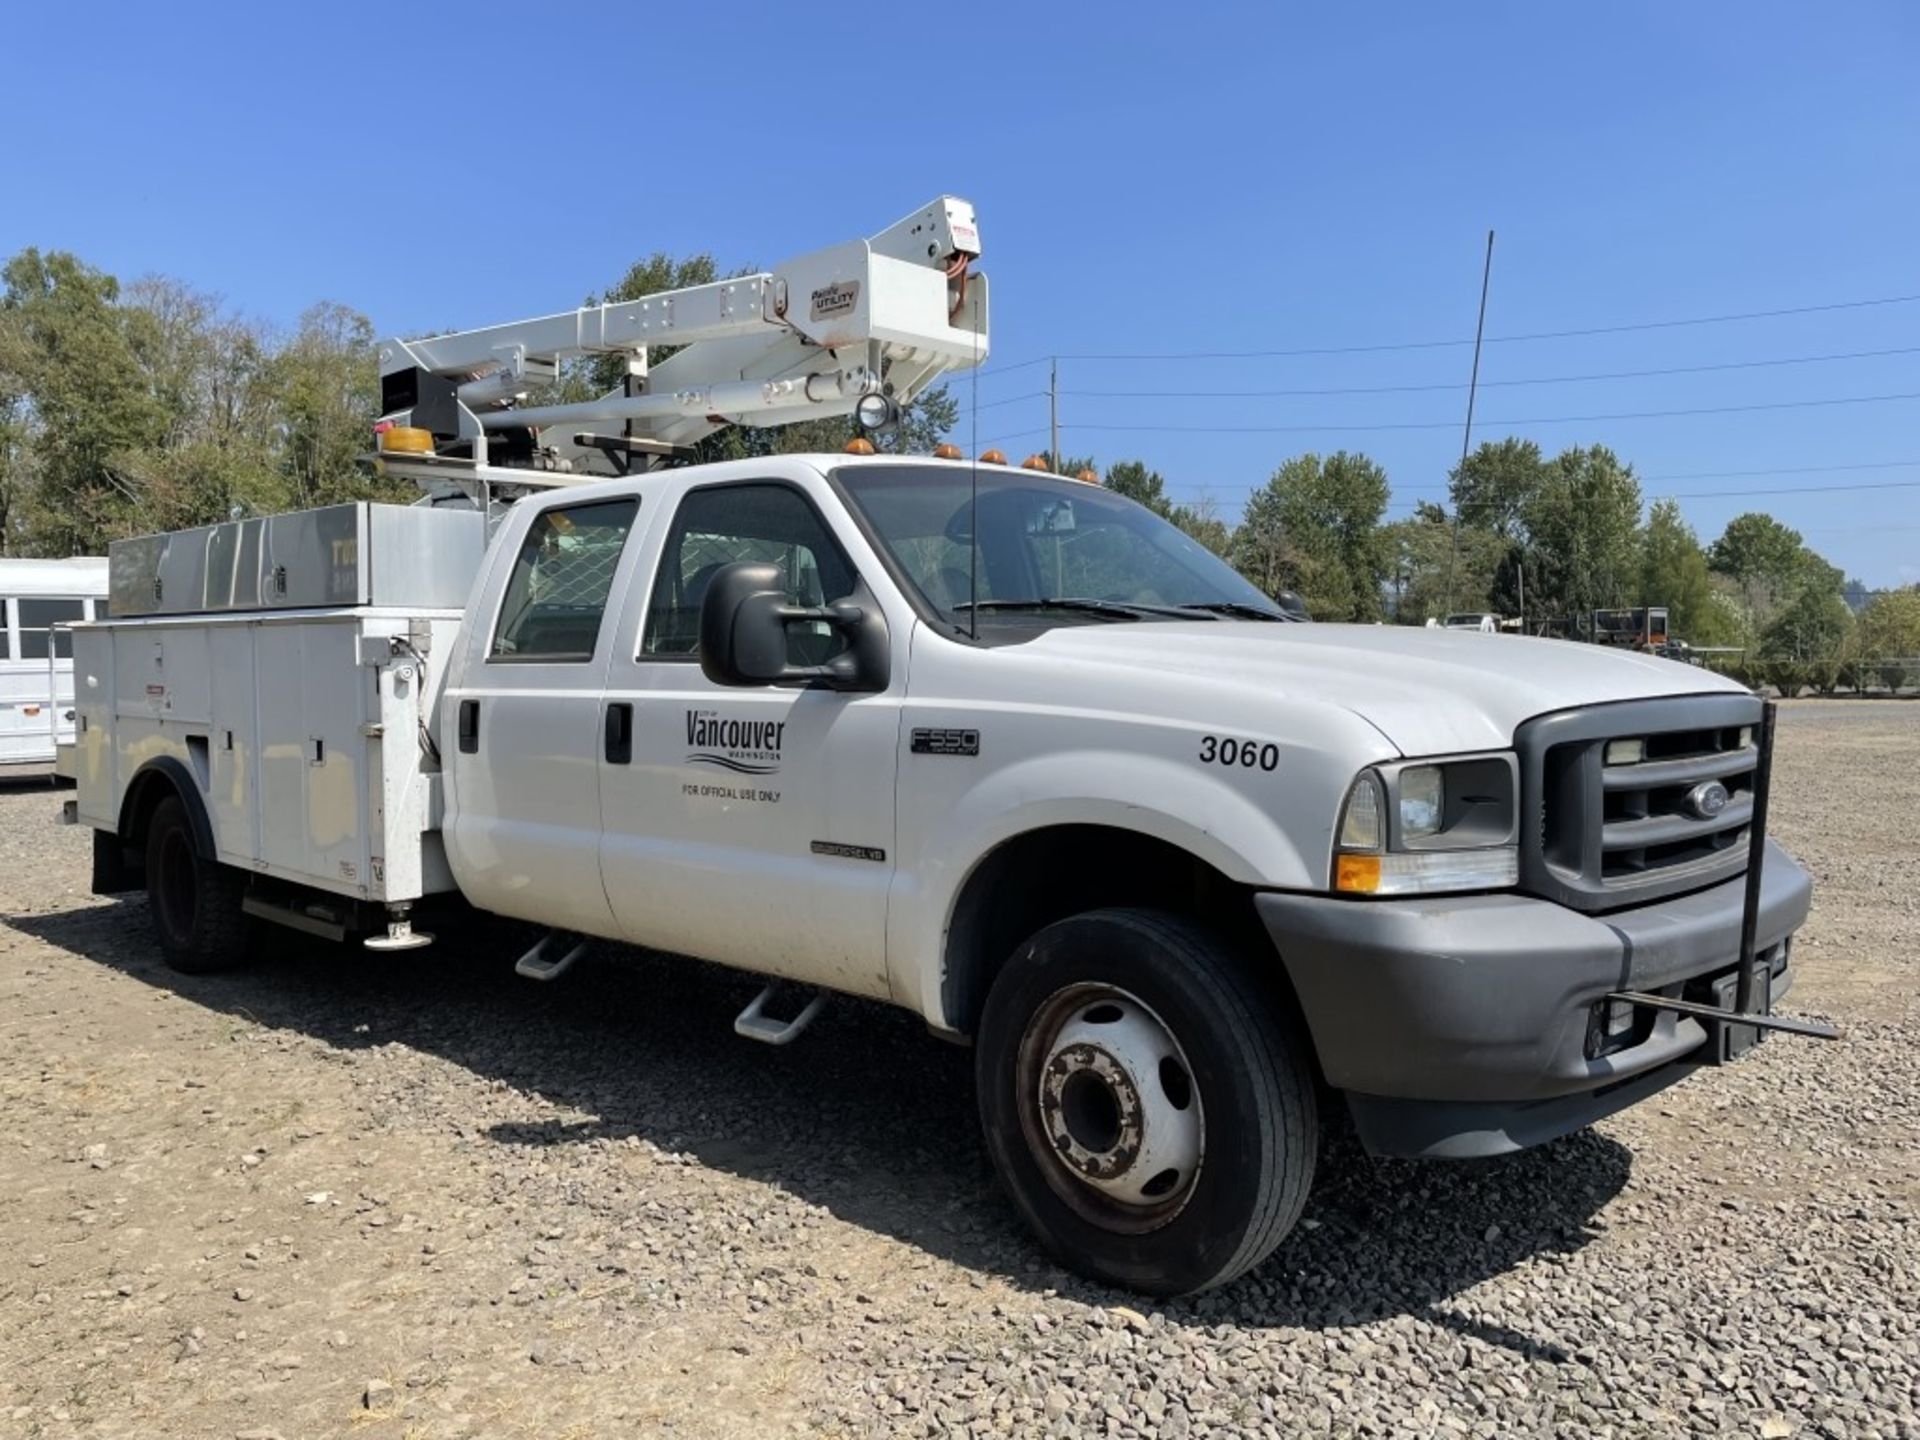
196,902
1150,1112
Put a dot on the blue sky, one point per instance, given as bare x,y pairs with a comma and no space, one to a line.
1150,180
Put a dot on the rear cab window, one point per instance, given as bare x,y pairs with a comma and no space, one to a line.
562,577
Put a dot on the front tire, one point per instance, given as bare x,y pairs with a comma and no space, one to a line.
1150,1112
195,901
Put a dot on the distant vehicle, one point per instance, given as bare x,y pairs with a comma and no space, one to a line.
1482,620
1642,628
38,598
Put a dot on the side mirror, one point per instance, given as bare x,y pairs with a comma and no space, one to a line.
743,633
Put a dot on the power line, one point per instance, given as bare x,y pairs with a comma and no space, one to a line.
1012,399
1486,384
1637,326
1724,494
1737,474
1388,346
1784,470
1533,420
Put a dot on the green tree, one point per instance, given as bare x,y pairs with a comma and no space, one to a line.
1673,572
326,394
1766,564
1581,529
1888,637
1146,486
1757,547
71,360
1493,486
1436,568
1314,528
1134,480
1806,643
1760,567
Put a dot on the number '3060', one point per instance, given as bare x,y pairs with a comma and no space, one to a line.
1225,750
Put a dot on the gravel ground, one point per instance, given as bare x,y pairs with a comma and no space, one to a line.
413,1196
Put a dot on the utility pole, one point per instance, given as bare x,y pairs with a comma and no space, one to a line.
1053,409
1466,437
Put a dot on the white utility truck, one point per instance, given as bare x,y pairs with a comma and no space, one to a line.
996,746
39,601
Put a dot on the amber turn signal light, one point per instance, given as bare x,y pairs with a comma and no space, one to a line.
1357,874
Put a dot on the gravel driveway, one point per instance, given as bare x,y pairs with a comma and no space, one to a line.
413,1196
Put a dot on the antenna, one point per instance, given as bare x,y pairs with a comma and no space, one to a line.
973,500
1053,411
1466,436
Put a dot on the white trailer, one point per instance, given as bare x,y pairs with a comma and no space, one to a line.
40,600
998,747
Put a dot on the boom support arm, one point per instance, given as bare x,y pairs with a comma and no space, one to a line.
885,316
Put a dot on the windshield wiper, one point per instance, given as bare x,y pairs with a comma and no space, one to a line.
1116,609
1239,609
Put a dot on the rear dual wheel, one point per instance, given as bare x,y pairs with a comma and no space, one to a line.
1150,1110
195,900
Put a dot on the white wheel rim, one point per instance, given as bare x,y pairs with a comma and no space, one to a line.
1115,1110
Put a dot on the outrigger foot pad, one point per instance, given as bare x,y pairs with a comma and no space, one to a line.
400,936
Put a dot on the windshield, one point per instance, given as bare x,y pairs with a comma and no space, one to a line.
1043,541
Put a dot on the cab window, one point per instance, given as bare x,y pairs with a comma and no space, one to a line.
561,579
720,525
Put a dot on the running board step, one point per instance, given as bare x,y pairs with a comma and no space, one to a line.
755,1024
543,962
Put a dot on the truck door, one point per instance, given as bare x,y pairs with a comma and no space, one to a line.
749,826
522,752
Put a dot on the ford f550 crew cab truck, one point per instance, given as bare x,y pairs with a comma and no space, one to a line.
999,747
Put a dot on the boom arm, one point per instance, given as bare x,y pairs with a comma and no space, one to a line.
881,317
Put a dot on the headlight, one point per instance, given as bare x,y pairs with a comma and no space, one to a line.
1430,826
1422,798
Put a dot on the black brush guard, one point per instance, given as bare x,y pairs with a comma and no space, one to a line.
1731,1033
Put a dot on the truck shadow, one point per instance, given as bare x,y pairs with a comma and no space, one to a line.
865,1116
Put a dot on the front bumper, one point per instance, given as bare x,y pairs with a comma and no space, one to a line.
1460,1025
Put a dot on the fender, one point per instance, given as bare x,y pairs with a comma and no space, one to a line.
166,770
1155,796
1169,800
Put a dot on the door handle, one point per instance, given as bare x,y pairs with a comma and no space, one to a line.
469,727
619,733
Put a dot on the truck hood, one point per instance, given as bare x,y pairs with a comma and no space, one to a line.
1430,692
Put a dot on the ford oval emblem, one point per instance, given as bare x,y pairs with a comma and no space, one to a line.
1708,799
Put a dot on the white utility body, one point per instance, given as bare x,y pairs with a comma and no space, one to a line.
1002,748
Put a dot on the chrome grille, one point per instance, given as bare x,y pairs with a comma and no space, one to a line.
1603,835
